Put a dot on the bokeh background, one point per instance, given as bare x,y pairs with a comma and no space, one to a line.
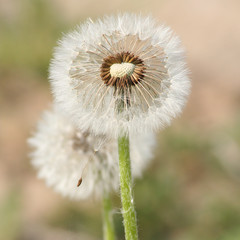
191,191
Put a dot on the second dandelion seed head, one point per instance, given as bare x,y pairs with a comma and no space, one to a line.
77,164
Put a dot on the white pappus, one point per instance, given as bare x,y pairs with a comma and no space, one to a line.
120,74
66,157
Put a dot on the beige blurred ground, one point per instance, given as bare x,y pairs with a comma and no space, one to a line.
209,30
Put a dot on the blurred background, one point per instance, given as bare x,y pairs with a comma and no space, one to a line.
191,191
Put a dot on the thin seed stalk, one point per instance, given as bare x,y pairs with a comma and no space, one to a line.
128,210
108,225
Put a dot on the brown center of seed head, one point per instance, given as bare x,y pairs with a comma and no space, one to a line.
122,70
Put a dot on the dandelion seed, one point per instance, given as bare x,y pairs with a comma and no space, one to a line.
65,157
126,60
79,182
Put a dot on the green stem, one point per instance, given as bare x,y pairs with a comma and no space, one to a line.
108,226
128,211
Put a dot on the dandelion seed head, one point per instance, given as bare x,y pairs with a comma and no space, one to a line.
125,60
77,164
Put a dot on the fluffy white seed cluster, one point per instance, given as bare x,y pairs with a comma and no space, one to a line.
64,155
125,61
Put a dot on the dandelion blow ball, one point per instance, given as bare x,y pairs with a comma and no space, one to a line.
127,57
122,69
